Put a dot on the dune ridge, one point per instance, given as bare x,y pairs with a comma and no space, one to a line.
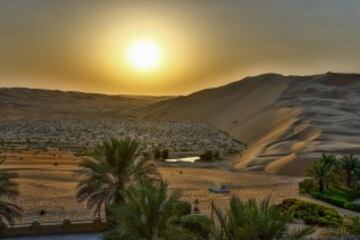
286,121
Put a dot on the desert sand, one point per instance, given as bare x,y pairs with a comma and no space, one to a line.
286,121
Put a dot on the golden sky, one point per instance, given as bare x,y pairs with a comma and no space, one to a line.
83,45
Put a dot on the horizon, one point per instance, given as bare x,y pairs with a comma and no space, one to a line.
178,95
171,48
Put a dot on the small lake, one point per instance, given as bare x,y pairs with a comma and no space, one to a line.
184,159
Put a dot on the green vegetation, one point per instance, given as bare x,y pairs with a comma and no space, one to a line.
210,155
8,191
249,220
157,154
311,213
160,154
149,211
121,179
198,224
165,154
335,179
139,204
354,227
116,164
323,170
182,208
351,167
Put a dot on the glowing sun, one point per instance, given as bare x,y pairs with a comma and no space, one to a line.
144,55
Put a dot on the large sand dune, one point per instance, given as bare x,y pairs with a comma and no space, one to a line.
286,121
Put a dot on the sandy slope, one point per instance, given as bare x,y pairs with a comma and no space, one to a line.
285,120
244,108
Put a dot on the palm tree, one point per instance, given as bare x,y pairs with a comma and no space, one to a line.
350,164
330,159
116,164
249,220
323,169
8,191
149,213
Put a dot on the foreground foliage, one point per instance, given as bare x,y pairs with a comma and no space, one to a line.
249,220
311,213
149,212
116,164
335,179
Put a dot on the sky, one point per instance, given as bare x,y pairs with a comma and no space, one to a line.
84,45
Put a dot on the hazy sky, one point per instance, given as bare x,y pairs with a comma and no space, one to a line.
80,44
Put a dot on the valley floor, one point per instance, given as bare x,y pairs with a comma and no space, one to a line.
47,181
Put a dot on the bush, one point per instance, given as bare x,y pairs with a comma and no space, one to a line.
307,186
198,224
165,154
311,213
217,155
157,154
351,206
182,208
207,156
333,199
354,227
337,200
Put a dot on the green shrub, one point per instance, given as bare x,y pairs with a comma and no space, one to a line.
207,156
337,200
354,227
165,154
307,186
352,206
182,208
217,155
198,224
333,199
348,193
157,154
311,213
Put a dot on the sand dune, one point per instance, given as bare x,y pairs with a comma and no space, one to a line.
286,121
22,103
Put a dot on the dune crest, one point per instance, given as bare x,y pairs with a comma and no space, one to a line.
286,121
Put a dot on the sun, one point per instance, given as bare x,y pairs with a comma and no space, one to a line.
144,55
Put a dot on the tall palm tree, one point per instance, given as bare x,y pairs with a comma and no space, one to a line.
8,191
116,164
249,220
323,169
149,213
350,164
